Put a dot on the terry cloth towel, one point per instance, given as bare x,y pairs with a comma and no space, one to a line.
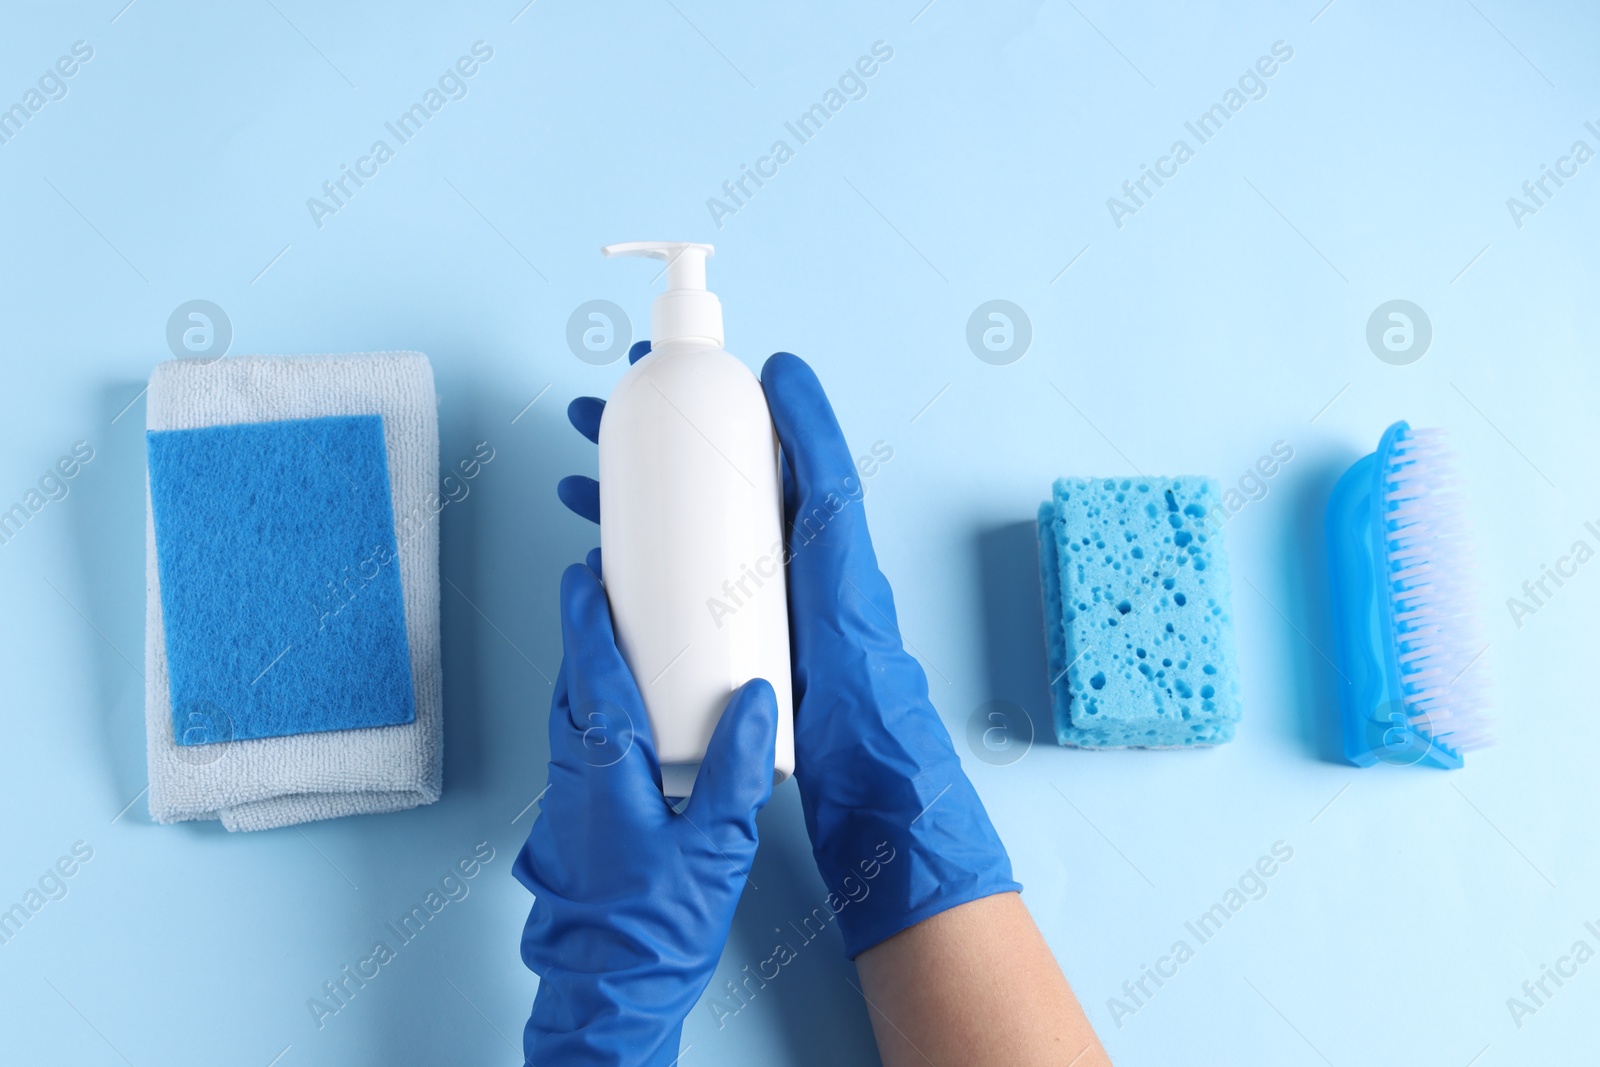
271,776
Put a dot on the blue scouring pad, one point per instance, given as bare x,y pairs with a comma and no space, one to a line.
1138,622
280,588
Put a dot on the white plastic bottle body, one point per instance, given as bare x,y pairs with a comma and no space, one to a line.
691,538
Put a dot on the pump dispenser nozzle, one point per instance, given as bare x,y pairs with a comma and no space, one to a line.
686,311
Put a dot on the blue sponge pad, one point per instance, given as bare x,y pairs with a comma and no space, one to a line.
280,591
1139,628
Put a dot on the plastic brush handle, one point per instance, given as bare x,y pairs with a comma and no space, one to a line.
1374,722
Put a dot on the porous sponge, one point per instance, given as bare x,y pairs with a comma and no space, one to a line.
1138,618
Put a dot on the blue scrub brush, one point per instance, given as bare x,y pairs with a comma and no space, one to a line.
1404,606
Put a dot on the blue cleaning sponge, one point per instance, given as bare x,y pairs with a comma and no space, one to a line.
1139,628
280,589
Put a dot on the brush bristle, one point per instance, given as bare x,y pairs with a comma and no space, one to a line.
1433,591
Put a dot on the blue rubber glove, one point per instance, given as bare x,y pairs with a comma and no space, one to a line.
632,902
876,767
897,829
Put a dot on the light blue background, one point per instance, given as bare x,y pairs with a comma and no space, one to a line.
1228,314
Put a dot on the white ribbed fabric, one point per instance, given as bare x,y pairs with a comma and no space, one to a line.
279,781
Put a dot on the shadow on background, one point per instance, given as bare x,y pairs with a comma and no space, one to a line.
819,983
1013,621
1316,679
467,657
106,513
502,548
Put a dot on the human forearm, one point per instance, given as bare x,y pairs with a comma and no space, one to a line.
975,985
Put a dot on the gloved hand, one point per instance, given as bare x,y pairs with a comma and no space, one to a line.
632,903
897,829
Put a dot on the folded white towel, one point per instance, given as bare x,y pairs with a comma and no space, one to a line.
279,781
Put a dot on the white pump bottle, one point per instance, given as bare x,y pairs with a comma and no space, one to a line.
691,524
